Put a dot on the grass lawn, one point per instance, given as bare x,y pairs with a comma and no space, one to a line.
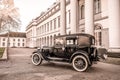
1,52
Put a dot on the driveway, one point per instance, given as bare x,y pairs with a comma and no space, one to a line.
19,67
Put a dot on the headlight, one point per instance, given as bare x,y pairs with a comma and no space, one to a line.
38,48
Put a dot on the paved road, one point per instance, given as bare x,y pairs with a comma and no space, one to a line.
19,67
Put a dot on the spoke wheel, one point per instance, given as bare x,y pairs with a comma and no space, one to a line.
80,63
36,59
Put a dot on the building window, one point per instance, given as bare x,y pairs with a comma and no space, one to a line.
18,39
23,44
51,25
38,30
58,21
13,44
69,32
98,35
3,39
8,44
48,26
97,4
42,28
18,44
55,23
100,38
13,39
82,12
58,34
3,44
45,28
48,41
69,13
51,40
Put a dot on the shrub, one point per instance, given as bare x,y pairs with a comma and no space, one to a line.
1,52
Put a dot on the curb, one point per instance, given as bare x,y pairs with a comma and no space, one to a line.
4,57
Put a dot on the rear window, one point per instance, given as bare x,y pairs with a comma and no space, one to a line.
84,41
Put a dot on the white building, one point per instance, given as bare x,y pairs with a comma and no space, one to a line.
100,18
16,39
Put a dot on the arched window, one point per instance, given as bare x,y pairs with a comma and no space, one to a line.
45,41
40,41
54,39
82,12
98,35
97,6
48,41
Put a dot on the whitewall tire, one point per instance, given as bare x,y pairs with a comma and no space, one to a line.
80,63
36,59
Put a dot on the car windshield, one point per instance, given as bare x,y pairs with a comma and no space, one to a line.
70,42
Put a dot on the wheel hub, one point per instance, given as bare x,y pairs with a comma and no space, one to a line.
80,62
36,58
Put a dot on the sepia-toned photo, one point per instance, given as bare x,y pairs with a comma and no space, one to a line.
59,39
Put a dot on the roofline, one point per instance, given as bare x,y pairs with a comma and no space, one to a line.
76,34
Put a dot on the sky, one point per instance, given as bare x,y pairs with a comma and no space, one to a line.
30,9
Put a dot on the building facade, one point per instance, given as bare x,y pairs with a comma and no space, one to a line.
100,18
16,39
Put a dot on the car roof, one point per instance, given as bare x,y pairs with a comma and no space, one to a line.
74,36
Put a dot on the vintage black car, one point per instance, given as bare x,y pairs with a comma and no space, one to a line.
77,49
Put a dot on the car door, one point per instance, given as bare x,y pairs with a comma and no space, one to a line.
59,51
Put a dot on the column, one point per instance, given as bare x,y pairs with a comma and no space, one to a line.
114,24
63,17
89,18
74,16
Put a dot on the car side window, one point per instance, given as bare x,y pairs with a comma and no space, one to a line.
84,41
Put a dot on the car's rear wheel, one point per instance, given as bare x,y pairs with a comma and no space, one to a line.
80,63
36,59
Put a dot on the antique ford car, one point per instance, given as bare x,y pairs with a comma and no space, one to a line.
77,49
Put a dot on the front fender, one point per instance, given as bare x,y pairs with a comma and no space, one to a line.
39,52
34,52
85,54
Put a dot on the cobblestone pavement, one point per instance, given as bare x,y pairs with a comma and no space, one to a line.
19,67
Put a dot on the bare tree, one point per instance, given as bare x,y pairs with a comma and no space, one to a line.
9,17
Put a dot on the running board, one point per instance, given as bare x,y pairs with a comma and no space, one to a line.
58,59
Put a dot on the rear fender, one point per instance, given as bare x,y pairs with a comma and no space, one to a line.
85,54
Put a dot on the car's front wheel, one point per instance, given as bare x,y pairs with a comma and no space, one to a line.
36,59
80,63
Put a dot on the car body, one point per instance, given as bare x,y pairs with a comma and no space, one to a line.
77,49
